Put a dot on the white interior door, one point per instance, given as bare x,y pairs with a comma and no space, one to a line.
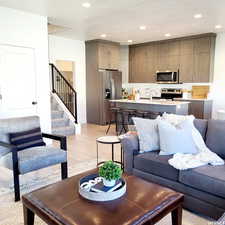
17,82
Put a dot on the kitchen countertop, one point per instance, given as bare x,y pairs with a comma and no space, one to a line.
192,99
152,102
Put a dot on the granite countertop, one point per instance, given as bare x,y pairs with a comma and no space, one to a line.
192,99
150,102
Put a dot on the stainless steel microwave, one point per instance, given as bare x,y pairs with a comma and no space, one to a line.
167,77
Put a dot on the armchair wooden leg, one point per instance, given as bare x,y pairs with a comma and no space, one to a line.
64,172
16,185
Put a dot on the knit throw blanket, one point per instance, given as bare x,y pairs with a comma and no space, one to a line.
187,161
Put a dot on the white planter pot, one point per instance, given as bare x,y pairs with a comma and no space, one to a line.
109,183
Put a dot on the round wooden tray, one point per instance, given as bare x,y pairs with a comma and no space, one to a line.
102,196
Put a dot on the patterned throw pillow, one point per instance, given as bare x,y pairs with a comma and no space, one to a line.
27,139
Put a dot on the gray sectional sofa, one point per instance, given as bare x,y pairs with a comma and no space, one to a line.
203,187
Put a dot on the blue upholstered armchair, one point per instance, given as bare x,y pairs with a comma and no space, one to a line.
22,149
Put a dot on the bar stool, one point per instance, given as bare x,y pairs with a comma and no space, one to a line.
143,114
154,115
126,115
113,114
148,114
110,140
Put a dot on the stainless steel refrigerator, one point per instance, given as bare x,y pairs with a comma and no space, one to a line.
111,89
107,86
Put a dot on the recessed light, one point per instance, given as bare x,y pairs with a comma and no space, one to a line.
143,27
86,5
103,35
198,16
129,41
168,35
218,26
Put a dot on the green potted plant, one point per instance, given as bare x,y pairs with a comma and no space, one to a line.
110,172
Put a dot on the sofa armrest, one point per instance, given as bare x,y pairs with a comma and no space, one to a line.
130,145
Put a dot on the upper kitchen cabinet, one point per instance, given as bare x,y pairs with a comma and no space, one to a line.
186,68
174,55
204,51
162,55
193,56
108,53
151,62
140,64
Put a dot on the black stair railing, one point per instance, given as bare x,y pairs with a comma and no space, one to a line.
64,91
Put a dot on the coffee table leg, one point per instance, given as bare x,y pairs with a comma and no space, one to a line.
177,216
28,216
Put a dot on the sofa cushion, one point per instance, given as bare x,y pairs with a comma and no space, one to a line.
215,137
152,162
208,178
35,158
201,126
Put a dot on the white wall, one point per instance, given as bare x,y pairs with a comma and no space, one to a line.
72,50
218,87
23,29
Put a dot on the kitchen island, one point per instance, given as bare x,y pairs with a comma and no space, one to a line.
154,107
158,106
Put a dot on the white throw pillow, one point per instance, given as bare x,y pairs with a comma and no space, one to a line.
148,135
176,139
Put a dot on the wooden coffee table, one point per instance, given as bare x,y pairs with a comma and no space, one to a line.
143,203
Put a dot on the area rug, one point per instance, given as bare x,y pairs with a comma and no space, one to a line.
40,178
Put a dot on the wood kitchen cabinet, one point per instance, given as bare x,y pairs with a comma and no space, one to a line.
204,50
101,55
193,56
152,57
174,56
186,68
200,108
142,64
109,55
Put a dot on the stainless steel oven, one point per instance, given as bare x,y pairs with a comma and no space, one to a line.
167,77
171,93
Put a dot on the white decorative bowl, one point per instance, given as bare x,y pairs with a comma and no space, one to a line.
102,196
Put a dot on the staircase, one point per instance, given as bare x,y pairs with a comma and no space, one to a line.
61,124
63,104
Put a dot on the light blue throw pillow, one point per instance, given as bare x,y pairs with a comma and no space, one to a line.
176,139
148,136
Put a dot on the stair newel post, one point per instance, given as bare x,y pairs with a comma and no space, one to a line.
75,105
53,80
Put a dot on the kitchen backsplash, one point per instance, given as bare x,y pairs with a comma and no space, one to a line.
155,89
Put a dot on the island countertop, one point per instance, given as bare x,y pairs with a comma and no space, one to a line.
151,102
